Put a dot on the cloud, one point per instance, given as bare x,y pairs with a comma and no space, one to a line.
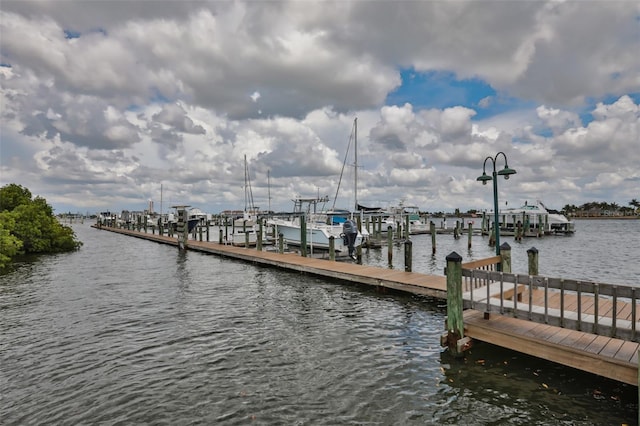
105,104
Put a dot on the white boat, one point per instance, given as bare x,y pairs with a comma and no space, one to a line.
319,228
536,219
246,228
416,224
400,214
321,225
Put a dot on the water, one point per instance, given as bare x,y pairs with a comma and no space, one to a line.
605,251
127,331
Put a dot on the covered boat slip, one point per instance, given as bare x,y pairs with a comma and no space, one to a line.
590,350
529,220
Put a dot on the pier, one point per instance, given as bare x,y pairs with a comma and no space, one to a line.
585,326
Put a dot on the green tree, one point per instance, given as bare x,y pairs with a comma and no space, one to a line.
9,244
12,195
29,226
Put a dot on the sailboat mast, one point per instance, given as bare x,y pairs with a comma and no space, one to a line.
269,187
246,189
355,163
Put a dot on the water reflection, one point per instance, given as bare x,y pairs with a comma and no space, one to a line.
127,331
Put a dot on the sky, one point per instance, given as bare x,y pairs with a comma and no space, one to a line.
109,105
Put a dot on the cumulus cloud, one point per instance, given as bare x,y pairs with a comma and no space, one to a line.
108,102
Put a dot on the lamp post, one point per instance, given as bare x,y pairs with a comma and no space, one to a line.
506,172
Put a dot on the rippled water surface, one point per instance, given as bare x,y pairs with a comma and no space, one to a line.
127,331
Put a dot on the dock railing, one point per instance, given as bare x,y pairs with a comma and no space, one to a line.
597,308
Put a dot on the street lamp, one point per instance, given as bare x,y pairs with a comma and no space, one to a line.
506,172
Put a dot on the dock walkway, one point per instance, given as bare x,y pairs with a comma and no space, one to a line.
608,357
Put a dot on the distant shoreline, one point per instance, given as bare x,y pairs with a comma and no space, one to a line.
604,217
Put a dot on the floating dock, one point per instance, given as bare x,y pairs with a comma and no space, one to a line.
604,356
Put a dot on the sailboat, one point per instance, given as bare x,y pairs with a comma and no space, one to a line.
245,228
321,225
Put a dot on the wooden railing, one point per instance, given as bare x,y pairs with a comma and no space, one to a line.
602,309
488,264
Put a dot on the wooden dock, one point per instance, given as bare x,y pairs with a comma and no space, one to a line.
411,282
604,356
613,358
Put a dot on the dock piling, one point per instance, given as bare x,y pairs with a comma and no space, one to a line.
505,254
332,248
455,340
408,255
532,255
432,229
390,246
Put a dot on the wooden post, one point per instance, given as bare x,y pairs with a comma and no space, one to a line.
303,235
432,229
407,224
332,248
470,235
532,254
505,254
208,226
408,255
487,223
183,229
546,222
359,254
246,239
539,220
390,246
259,236
455,323
399,230
200,232
221,236
492,235
280,243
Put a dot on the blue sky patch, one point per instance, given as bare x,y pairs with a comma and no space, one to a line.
442,89
69,34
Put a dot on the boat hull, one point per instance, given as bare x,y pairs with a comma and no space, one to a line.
318,236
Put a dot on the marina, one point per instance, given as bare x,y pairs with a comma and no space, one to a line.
128,328
619,363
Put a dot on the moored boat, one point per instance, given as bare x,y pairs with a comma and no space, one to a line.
320,227
534,219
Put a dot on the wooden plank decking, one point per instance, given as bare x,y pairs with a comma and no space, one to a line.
608,357
613,358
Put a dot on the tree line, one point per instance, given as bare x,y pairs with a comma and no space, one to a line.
603,208
28,226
